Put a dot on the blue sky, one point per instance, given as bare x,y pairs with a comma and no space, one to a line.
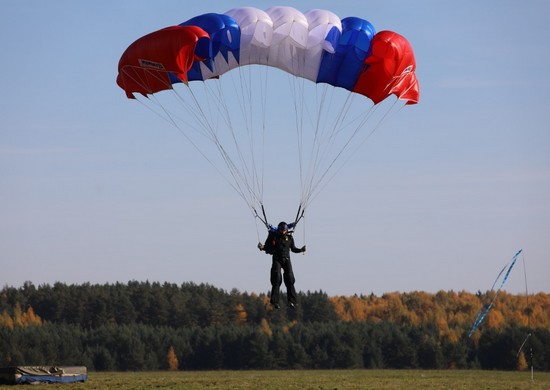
94,188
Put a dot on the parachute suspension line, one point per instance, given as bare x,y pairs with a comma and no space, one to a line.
171,118
263,90
304,238
246,127
320,146
305,120
316,146
319,137
246,172
202,121
299,214
345,129
297,88
363,120
167,117
144,82
248,103
246,87
329,156
263,99
238,176
264,218
301,112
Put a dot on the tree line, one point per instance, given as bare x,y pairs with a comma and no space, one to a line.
152,326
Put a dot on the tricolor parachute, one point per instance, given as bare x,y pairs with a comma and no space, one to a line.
227,70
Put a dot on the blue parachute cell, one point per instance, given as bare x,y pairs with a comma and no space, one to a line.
224,39
342,68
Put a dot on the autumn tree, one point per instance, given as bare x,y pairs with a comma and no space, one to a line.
173,362
241,314
522,362
20,318
6,320
264,328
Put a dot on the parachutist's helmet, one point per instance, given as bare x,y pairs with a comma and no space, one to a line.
282,226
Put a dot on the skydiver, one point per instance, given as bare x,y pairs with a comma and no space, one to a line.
279,243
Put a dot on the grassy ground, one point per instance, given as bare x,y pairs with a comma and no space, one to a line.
330,379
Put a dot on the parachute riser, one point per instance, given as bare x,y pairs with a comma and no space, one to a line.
264,219
299,215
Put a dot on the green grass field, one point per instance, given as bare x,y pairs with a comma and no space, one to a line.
329,379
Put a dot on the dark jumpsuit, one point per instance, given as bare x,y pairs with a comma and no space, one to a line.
281,245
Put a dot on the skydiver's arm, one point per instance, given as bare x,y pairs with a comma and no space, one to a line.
293,247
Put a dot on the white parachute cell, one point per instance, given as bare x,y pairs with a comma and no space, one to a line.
256,34
322,25
285,38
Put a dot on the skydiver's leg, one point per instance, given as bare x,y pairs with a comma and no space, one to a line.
289,282
276,281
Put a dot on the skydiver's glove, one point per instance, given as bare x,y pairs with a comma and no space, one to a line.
260,246
303,248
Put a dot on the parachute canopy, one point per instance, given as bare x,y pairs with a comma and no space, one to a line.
233,108
315,45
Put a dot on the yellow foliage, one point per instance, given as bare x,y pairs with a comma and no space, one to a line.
30,318
241,314
173,362
5,320
442,326
357,309
20,318
494,319
540,316
286,328
522,362
454,335
18,315
265,328
265,300
339,308
476,336
451,312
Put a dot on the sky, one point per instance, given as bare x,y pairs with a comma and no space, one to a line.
95,188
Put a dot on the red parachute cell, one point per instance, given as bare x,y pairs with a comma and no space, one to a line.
146,65
390,69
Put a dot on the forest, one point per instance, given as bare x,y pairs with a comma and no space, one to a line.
138,326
